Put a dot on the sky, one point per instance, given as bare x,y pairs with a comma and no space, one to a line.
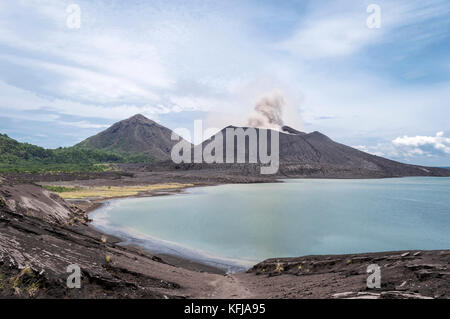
383,88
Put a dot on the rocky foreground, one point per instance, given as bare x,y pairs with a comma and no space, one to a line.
41,235
405,274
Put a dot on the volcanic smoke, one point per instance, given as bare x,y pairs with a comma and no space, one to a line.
269,110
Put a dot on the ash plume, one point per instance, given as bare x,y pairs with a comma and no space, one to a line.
269,110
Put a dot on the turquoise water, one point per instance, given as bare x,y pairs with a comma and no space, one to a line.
238,225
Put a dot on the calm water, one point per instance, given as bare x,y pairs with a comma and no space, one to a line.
238,225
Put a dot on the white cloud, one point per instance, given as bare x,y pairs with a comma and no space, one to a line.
406,147
84,84
338,30
107,71
83,124
95,64
330,37
439,142
16,102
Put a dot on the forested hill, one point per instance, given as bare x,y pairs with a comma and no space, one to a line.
24,157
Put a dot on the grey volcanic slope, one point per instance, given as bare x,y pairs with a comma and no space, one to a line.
317,148
316,155
137,134
301,154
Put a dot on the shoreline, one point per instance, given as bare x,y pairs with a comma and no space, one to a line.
89,205
92,205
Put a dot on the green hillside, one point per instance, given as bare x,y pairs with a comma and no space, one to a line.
24,157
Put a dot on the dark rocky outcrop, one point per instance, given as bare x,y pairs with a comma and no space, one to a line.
41,235
404,275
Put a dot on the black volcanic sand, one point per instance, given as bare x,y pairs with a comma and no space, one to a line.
41,234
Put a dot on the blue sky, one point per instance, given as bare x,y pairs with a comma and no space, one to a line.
384,90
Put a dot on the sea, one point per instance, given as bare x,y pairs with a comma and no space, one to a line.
236,226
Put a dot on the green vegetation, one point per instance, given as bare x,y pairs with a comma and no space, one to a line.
16,157
47,168
25,284
60,189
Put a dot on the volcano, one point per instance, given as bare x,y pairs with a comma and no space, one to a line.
137,134
300,154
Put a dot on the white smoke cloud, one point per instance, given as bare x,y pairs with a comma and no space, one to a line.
268,111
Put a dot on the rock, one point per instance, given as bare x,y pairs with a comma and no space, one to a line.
405,254
394,257
365,293
401,295
343,294
158,259
361,259
357,295
402,286
365,297
426,266
424,274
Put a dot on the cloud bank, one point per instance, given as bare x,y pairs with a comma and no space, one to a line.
409,147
